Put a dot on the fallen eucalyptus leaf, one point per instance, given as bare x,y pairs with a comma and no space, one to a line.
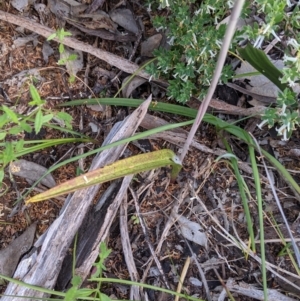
261,84
41,8
124,18
195,281
10,256
21,5
287,287
31,172
119,169
152,43
59,8
94,127
191,230
97,108
47,50
132,85
21,41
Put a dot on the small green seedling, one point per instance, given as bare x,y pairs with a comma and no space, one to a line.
13,124
60,34
135,219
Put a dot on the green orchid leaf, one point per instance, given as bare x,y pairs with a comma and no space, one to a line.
258,60
114,171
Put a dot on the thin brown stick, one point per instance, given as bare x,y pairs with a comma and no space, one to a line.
128,255
44,31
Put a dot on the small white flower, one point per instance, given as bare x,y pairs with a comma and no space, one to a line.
210,8
160,28
266,29
184,78
260,126
171,41
279,130
195,38
149,8
190,61
219,43
150,78
284,138
212,54
203,50
197,12
258,42
289,58
294,43
275,35
292,84
230,3
282,131
282,113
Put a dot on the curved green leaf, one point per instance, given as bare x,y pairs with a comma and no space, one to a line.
114,171
258,60
188,112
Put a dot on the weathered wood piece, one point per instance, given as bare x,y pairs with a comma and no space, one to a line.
10,256
44,265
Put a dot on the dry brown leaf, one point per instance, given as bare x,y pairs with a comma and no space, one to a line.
98,20
31,172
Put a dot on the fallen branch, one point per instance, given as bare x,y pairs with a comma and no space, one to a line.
44,31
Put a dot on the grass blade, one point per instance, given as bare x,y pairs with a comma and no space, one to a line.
188,112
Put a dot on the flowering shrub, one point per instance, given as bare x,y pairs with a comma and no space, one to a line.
286,114
195,40
194,44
